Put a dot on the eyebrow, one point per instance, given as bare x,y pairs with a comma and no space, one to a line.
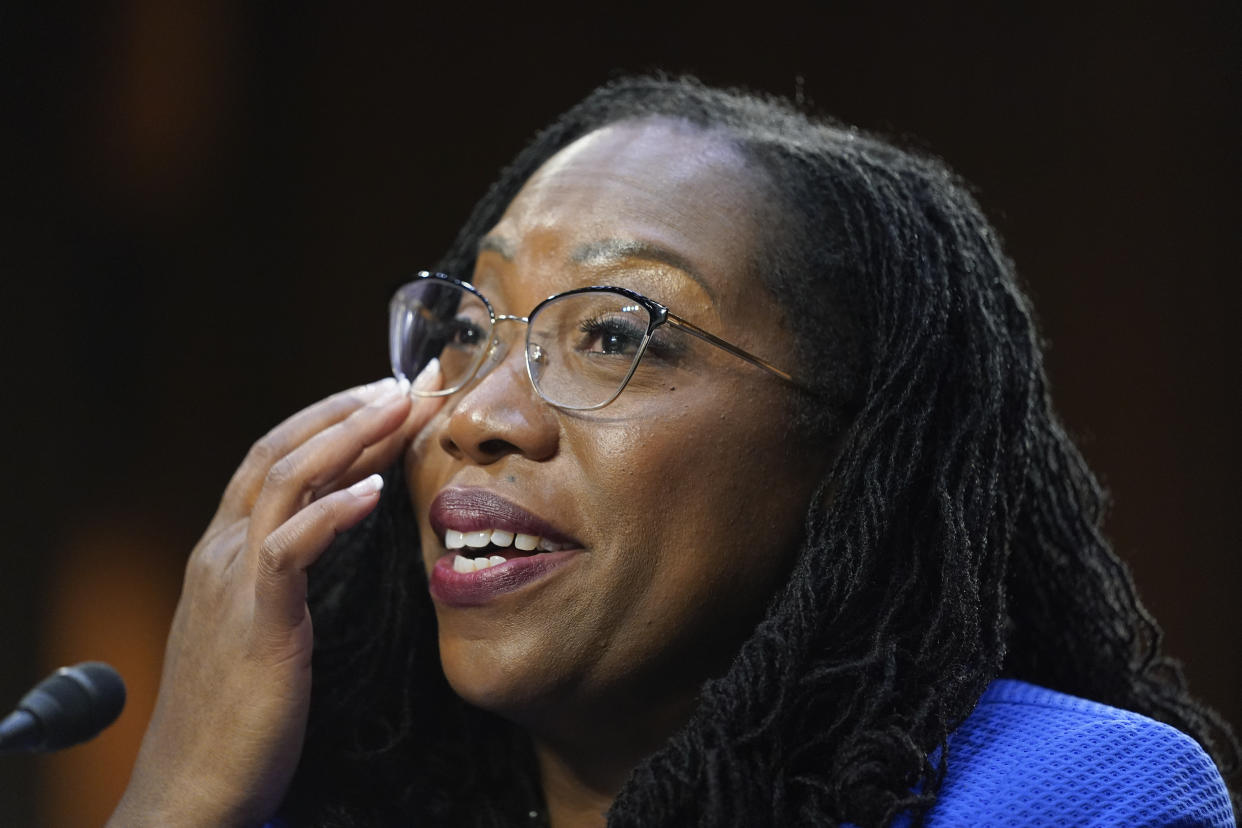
607,252
612,251
498,245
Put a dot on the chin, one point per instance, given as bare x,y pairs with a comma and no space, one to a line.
499,677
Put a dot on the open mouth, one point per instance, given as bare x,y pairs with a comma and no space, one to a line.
482,530
484,548
493,548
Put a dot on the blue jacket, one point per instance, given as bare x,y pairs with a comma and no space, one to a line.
1032,757
1028,756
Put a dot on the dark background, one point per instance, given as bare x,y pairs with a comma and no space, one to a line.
207,203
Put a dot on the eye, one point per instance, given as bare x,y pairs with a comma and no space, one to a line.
467,333
461,333
611,337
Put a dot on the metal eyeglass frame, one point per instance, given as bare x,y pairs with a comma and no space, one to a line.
660,315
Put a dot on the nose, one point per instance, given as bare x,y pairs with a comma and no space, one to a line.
501,414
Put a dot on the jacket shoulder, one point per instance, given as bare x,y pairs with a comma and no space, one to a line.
1032,756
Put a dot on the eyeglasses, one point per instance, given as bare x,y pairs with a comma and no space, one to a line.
583,347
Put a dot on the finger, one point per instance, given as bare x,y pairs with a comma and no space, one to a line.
247,481
291,483
381,455
285,554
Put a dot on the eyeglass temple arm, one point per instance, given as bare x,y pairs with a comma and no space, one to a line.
695,330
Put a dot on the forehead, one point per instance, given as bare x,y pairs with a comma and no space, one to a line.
659,185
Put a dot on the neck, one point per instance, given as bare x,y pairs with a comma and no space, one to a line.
582,769
575,796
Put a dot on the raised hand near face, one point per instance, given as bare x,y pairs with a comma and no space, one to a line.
228,725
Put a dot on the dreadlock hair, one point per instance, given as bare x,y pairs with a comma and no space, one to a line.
956,537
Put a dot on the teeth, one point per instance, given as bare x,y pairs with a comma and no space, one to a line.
463,564
453,539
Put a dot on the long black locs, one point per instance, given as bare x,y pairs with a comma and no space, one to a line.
68,707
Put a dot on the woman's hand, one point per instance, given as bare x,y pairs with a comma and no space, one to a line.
228,726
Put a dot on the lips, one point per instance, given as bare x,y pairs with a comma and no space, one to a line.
494,547
475,510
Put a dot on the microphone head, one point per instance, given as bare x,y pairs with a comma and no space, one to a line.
75,703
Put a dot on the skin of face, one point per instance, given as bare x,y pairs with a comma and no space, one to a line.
688,492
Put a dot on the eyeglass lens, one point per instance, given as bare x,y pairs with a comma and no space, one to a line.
580,347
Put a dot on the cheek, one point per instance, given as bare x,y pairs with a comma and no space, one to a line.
705,503
710,468
738,519
704,537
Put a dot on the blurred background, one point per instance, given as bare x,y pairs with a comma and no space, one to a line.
206,205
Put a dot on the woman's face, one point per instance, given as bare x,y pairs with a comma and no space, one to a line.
674,510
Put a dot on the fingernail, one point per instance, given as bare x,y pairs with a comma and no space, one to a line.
366,486
393,392
429,376
376,390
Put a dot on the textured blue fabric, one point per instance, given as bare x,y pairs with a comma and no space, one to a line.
1035,758
1028,756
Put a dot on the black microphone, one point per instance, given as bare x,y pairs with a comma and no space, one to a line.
70,706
